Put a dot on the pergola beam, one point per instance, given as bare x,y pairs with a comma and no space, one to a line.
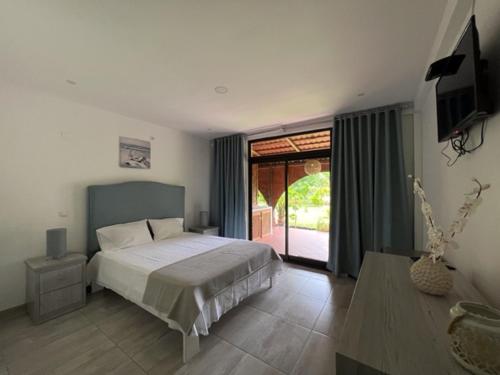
291,143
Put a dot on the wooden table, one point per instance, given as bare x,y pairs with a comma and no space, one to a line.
392,328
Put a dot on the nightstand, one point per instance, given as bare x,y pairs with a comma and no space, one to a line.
211,231
55,286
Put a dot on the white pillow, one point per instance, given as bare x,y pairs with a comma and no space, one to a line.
166,228
120,236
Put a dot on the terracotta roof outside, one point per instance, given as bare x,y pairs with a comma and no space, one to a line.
292,144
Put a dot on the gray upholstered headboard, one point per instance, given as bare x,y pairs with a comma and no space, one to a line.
130,201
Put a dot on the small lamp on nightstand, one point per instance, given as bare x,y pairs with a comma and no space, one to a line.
204,218
56,243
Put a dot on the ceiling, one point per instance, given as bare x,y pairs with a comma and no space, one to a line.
282,61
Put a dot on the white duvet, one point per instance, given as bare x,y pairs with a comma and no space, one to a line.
126,272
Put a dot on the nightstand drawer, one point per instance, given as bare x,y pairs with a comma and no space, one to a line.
60,278
55,286
61,298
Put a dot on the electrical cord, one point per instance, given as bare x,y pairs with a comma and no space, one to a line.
450,161
458,144
483,126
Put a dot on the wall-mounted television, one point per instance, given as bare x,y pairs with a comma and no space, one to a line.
462,98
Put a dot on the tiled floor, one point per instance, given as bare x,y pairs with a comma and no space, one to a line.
291,328
303,243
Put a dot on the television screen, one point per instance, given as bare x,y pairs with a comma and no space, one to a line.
457,94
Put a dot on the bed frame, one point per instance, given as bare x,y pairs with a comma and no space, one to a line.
130,201
133,201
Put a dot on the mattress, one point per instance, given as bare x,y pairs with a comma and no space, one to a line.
126,272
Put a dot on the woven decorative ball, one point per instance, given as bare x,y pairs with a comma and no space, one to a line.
431,277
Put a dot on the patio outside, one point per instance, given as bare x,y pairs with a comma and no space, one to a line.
308,213
305,243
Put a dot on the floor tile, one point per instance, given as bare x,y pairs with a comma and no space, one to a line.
113,361
45,359
22,335
298,270
322,275
16,329
267,334
278,346
252,366
238,324
307,271
318,357
300,309
142,334
133,329
331,320
165,353
3,365
268,338
342,294
270,300
316,288
290,281
84,359
218,357
103,304
116,325
127,368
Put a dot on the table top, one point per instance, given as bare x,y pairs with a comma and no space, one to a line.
45,262
396,329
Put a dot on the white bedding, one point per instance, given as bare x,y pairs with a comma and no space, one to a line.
126,272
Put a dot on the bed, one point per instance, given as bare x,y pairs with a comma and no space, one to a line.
189,281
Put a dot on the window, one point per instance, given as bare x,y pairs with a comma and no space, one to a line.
290,195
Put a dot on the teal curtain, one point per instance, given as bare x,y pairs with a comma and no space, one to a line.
228,193
370,205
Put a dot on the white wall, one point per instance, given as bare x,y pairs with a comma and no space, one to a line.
479,254
51,149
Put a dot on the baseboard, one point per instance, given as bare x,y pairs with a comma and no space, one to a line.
13,311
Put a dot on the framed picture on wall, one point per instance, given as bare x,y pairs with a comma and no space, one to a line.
135,153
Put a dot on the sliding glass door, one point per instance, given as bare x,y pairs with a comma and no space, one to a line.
290,195
268,212
309,208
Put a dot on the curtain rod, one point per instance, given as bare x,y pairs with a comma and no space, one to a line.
402,106
291,126
318,121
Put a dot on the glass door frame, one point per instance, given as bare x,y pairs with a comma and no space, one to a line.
326,153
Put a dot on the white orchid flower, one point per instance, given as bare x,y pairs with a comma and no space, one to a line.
439,241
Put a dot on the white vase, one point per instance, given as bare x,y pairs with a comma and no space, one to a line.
431,277
475,336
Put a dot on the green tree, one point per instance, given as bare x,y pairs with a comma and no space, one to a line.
309,191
